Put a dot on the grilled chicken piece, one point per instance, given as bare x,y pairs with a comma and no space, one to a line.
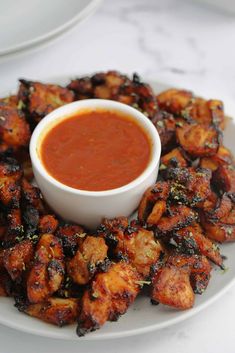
174,158
14,130
222,157
17,259
39,99
10,195
139,95
103,85
11,101
198,140
113,85
191,240
160,191
171,286
176,282
205,112
10,175
220,232
141,249
57,311
218,218
189,186
179,216
158,210
174,100
31,195
90,256
109,296
220,209
48,224
165,125
181,103
221,229
199,267
71,236
224,178
133,242
47,272
111,230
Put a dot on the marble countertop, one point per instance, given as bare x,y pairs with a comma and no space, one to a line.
181,43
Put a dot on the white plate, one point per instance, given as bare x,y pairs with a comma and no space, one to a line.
28,23
142,316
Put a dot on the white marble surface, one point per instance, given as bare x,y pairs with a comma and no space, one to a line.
182,43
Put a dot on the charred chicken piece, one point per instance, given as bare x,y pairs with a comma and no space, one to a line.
205,112
220,232
171,286
71,237
224,178
158,193
220,209
191,240
48,224
141,249
31,195
222,157
178,216
218,220
57,311
139,95
189,185
47,272
10,195
90,256
166,127
39,99
175,283
17,259
112,85
174,100
174,158
198,140
109,296
219,225
199,267
105,85
10,177
14,130
12,101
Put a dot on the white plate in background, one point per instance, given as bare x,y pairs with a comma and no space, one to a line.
142,316
28,23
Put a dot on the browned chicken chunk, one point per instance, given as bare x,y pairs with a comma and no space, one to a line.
39,99
57,311
17,259
90,256
14,130
110,295
198,140
47,272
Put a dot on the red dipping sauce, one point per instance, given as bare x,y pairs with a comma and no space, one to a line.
96,150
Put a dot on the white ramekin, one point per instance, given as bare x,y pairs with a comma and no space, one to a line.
89,207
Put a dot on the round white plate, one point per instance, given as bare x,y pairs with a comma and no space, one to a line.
142,316
28,23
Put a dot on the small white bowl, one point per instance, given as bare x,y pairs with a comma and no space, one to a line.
89,207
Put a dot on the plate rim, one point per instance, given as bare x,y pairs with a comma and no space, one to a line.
61,79
89,9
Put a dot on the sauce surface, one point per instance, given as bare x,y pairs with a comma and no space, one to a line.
96,151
